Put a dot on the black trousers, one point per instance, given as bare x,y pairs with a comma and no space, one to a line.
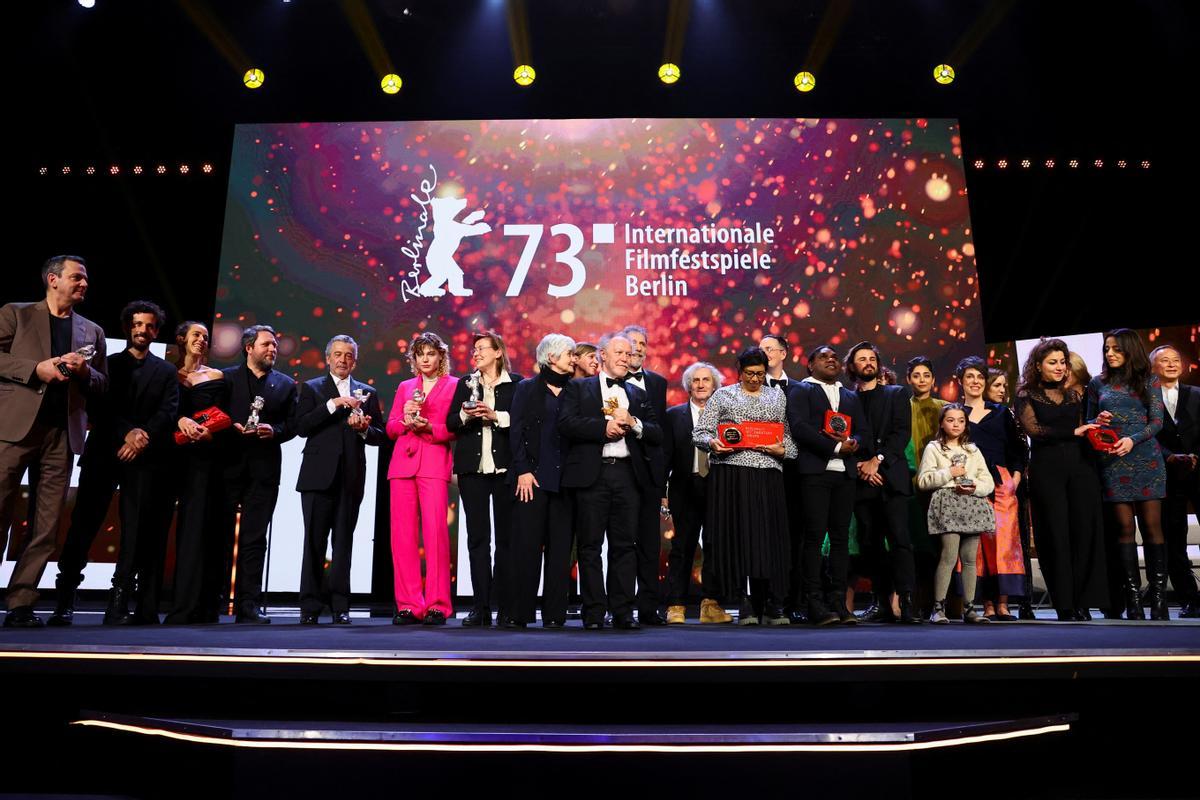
688,506
1180,489
333,510
608,507
482,494
98,478
795,511
649,552
828,501
200,531
146,507
882,515
541,544
255,498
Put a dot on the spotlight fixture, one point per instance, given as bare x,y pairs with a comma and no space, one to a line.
1098,163
42,170
524,75
161,169
1049,163
1025,163
137,169
391,83
114,170
1002,163
943,74
253,78
804,81
1145,165
668,73
206,168
66,169
1121,164
979,163
1073,163
184,169
88,3
90,170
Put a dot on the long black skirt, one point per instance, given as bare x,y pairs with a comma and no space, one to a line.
746,529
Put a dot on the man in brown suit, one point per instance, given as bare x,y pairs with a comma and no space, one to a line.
44,387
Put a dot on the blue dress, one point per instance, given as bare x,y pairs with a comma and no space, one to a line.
1140,475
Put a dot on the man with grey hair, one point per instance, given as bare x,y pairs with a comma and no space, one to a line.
649,541
45,385
339,416
611,428
687,496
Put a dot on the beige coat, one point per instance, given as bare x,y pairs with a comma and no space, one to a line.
935,469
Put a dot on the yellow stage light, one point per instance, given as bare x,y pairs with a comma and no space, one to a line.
253,78
668,73
804,81
943,74
391,83
524,75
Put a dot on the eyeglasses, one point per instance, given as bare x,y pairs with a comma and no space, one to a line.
754,376
483,348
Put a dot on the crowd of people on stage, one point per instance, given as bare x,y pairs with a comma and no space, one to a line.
848,473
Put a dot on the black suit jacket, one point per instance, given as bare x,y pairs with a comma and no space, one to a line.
581,420
678,451
142,394
260,457
1182,434
468,447
891,428
331,442
806,418
656,391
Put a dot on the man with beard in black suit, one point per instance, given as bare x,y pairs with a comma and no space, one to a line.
883,490
612,428
251,460
649,540
339,416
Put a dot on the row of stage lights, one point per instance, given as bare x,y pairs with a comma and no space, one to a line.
525,75
115,170
1050,163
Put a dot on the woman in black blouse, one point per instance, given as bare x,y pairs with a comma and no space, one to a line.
993,430
544,530
1064,486
479,418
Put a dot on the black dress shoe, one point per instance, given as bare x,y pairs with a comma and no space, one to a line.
434,617
254,617
593,626
1083,615
309,619
626,622
22,617
553,624
61,618
478,618
405,617
513,624
654,619
341,618
877,614
1190,610
1025,612
797,617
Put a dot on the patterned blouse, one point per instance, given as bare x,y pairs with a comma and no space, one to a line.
731,404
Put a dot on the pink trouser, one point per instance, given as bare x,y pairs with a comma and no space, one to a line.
427,498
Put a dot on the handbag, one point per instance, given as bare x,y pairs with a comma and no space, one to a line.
213,419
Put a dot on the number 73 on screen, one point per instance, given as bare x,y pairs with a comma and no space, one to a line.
602,233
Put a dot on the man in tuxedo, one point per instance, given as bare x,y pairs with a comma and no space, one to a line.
884,488
251,460
649,537
1180,442
45,388
776,349
611,428
687,496
339,416
827,462
130,444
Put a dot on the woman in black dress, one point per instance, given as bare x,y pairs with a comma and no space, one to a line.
1064,487
479,419
543,514
198,548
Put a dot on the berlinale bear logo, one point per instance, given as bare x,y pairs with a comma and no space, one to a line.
448,234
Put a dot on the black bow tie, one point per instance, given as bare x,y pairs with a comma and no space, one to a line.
777,383
616,381
637,376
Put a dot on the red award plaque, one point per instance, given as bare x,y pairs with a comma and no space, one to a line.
837,424
1103,439
744,435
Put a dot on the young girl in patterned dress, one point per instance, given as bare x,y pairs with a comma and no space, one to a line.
955,471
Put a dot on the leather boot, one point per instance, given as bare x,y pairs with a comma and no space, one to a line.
117,612
1131,582
877,611
64,609
908,610
1156,578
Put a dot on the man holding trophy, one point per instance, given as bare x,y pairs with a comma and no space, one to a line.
51,361
251,459
339,416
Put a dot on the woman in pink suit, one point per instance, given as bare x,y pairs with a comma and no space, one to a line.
419,476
